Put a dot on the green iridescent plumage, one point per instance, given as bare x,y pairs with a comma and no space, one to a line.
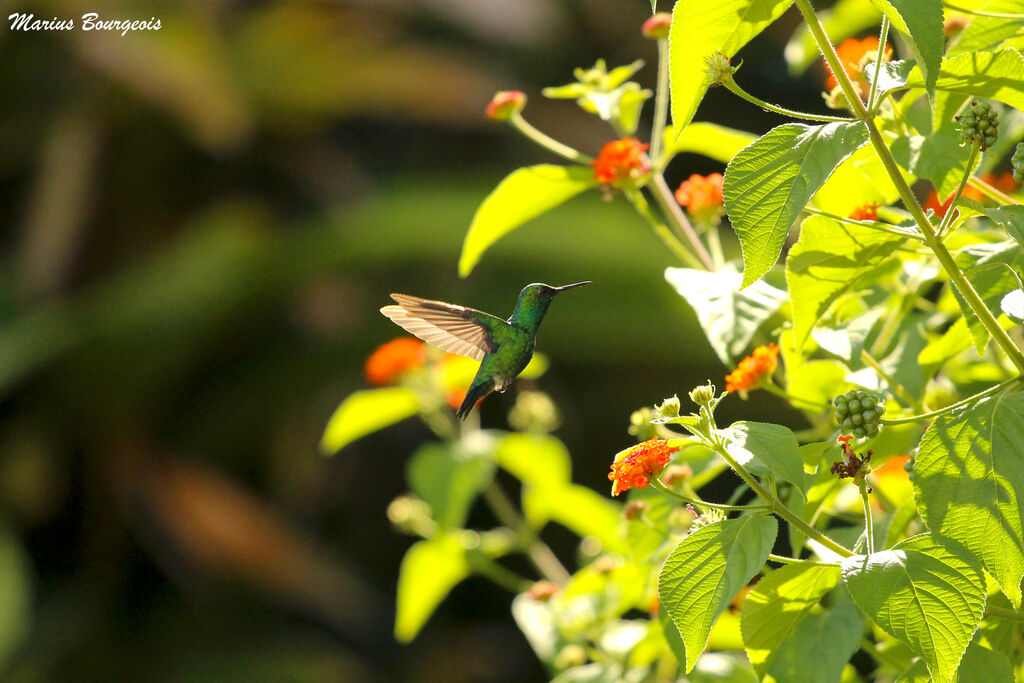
503,347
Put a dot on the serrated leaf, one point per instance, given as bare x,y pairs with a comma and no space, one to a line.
708,139
769,182
990,269
448,480
430,569
767,450
777,604
861,179
828,260
929,596
982,665
523,195
820,646
706,570
699,29
365,412
996,76
920,23
991,34
729,316
968,476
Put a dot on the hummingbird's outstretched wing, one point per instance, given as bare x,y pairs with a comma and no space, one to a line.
456,329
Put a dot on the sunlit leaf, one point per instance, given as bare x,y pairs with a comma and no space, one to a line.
830,259
700,29
706,570
768,184
766,450
920,24
365,412
819,646
996,76
729,316
708,139
778,603
522,195
429,570
968,476
448,479
992,270
929,596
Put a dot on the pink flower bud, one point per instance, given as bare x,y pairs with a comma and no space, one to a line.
656,28
505,104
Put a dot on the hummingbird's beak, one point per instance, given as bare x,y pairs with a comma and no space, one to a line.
577,284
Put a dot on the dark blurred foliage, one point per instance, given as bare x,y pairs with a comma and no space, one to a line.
200,225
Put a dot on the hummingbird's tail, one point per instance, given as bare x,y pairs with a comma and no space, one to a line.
476,392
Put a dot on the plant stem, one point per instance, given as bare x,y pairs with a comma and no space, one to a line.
662,231
792,560
869,530
667,201
947,220
950,408
776,505
956,275
660,106
502,576
883,35
659,485
796,402
732,86
519,123
992,193
875,225
981,13
537,550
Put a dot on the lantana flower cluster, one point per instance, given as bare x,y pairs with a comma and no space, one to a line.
634,467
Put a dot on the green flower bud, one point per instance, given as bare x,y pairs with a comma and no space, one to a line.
669,407
702,395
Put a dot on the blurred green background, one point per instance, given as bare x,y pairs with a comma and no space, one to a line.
200,226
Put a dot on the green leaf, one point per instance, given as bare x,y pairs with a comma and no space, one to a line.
829,260
820,646
523,195
579,509
861,179
991,270
982,665
929,596
537,620
902,364
920,23
729,316
968,476
777,604
991,34
430,569
448,479
952,342
706,571
768,184
767,450
937,157
996,76
365,412
813,384
917,673
847,341
699,29
1011,219
709,139
535,459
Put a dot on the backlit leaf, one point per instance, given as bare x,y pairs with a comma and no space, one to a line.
365,412
920,24
768,184
429,570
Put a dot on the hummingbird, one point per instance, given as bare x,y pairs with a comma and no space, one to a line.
504,347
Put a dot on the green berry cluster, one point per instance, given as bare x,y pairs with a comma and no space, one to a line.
980,123
1018,162
908,466
858,412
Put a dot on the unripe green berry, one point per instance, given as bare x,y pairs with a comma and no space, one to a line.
854,406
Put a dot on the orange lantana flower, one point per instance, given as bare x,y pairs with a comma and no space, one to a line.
702,195
634,467
621,163
854,54
865,212
390,360
754,369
